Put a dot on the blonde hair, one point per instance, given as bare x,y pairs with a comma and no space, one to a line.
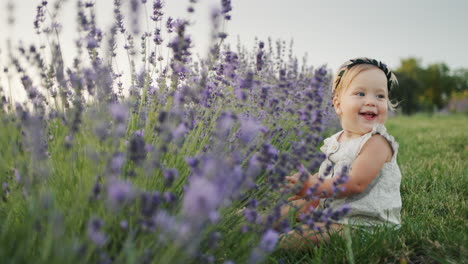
350,69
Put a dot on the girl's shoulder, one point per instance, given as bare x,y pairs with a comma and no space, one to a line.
380,129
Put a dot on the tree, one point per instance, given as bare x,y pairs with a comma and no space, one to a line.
438,85
406,93
461,80
427,89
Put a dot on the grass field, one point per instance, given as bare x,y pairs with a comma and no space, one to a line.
433,159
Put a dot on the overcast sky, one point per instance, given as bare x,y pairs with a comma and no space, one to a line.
330,31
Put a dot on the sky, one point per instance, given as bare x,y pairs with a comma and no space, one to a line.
330,32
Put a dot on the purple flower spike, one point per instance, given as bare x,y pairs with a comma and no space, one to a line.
124,224
119,193
139,133
157,38
150,203
118,16
170,175
249,130
117,162
201,198
226,7
119,112
96,190
180,131
170,24
137,147
192,162
95,233
222,35
135,6
157,10
252,203
269,240
251,215
169,197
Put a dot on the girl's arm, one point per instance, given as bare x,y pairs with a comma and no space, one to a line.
365,168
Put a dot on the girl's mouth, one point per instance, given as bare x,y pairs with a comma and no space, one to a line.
368,115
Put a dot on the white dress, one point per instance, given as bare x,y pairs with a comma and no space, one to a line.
380,202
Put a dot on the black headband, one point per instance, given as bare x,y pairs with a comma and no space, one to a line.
390,77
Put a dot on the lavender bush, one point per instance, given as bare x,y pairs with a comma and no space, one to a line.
105,165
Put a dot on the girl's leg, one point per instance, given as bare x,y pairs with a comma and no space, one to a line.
296,240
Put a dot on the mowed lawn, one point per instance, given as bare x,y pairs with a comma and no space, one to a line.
433,158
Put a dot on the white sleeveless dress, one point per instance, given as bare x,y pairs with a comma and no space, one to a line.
380,203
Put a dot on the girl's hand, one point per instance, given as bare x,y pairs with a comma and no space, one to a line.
294,179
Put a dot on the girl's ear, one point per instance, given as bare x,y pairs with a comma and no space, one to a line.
336,105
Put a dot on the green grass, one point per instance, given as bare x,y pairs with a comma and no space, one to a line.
433,160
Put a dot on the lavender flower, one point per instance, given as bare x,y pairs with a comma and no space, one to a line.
169,197
95,233
251,215
157,39
192,162
226,8
124,224
150,203
170,24
116,163
179,133
267,244
118,16
260,54
268,241
119,193
249,129
135,7
136,148
91,43
119,112
200,199
170,175
225,123
40,16
11,12
96,191
157,10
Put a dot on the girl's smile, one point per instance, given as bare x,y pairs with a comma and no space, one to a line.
368,115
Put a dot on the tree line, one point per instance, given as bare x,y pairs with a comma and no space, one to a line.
430,88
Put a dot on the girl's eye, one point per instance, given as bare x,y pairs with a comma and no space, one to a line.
381,96
360,94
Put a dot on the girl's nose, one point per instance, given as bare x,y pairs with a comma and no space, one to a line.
370,101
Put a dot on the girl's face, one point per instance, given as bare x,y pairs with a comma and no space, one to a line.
363,103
